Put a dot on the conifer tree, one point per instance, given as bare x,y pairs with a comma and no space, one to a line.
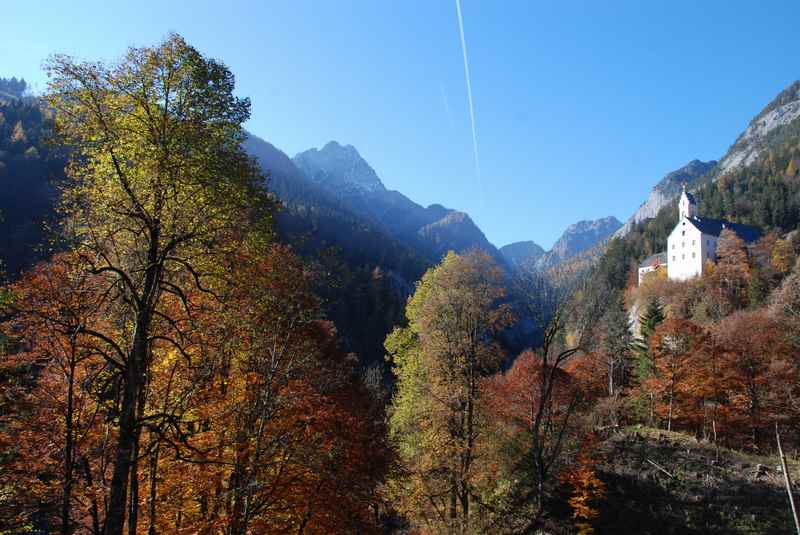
648,322
617,343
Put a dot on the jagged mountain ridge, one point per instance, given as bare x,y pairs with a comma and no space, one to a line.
343,173
665,191
783,110
764,130
578,238
583,235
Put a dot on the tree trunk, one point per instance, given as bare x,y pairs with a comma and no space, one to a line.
453,504
133,388
669,416
133,504
95,509
151,530
115,521
66,499
611,377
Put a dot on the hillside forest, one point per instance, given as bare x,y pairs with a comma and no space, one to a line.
181,353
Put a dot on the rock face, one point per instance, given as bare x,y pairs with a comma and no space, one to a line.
341,172
666,191
784,109
339,166
578,238
764,129
521,253
583,235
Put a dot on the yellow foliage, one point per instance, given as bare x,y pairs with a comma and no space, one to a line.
783,256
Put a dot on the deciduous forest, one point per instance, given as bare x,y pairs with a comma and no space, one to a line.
171,363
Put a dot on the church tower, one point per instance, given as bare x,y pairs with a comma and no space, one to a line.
687,207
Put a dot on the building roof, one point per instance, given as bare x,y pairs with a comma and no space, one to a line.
714,227
654,260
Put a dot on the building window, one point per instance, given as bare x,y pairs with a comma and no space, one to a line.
693,255
673,258
692,242
683,244
673,246
683,257
683,233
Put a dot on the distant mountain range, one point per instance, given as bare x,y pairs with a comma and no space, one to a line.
370,242
576,239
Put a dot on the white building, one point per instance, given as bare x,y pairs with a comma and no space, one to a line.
693,242
652,263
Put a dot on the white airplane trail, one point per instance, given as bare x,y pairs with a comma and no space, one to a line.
469,96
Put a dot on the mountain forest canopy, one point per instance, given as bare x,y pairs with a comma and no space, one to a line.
200,334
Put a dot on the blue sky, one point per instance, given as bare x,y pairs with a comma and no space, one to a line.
580,106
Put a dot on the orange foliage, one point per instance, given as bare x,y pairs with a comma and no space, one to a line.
587,488
254,421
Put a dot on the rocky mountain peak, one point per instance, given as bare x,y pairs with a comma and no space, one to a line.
337,165
584,234
576,239
783,109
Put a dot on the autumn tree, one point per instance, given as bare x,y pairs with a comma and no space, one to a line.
157,185
439,360
531,409
762,367
676,349
552,407
587,488
53,434
534,406
728,282
284,437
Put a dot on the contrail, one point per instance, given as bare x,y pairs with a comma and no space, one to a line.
469,95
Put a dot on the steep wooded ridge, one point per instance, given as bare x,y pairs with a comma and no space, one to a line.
753,183
666,191
29,173
522,253
344,174
767,129
12,89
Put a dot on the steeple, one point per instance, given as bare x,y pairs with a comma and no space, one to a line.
687,207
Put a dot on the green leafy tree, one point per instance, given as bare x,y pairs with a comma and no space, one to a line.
158,189
439,360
